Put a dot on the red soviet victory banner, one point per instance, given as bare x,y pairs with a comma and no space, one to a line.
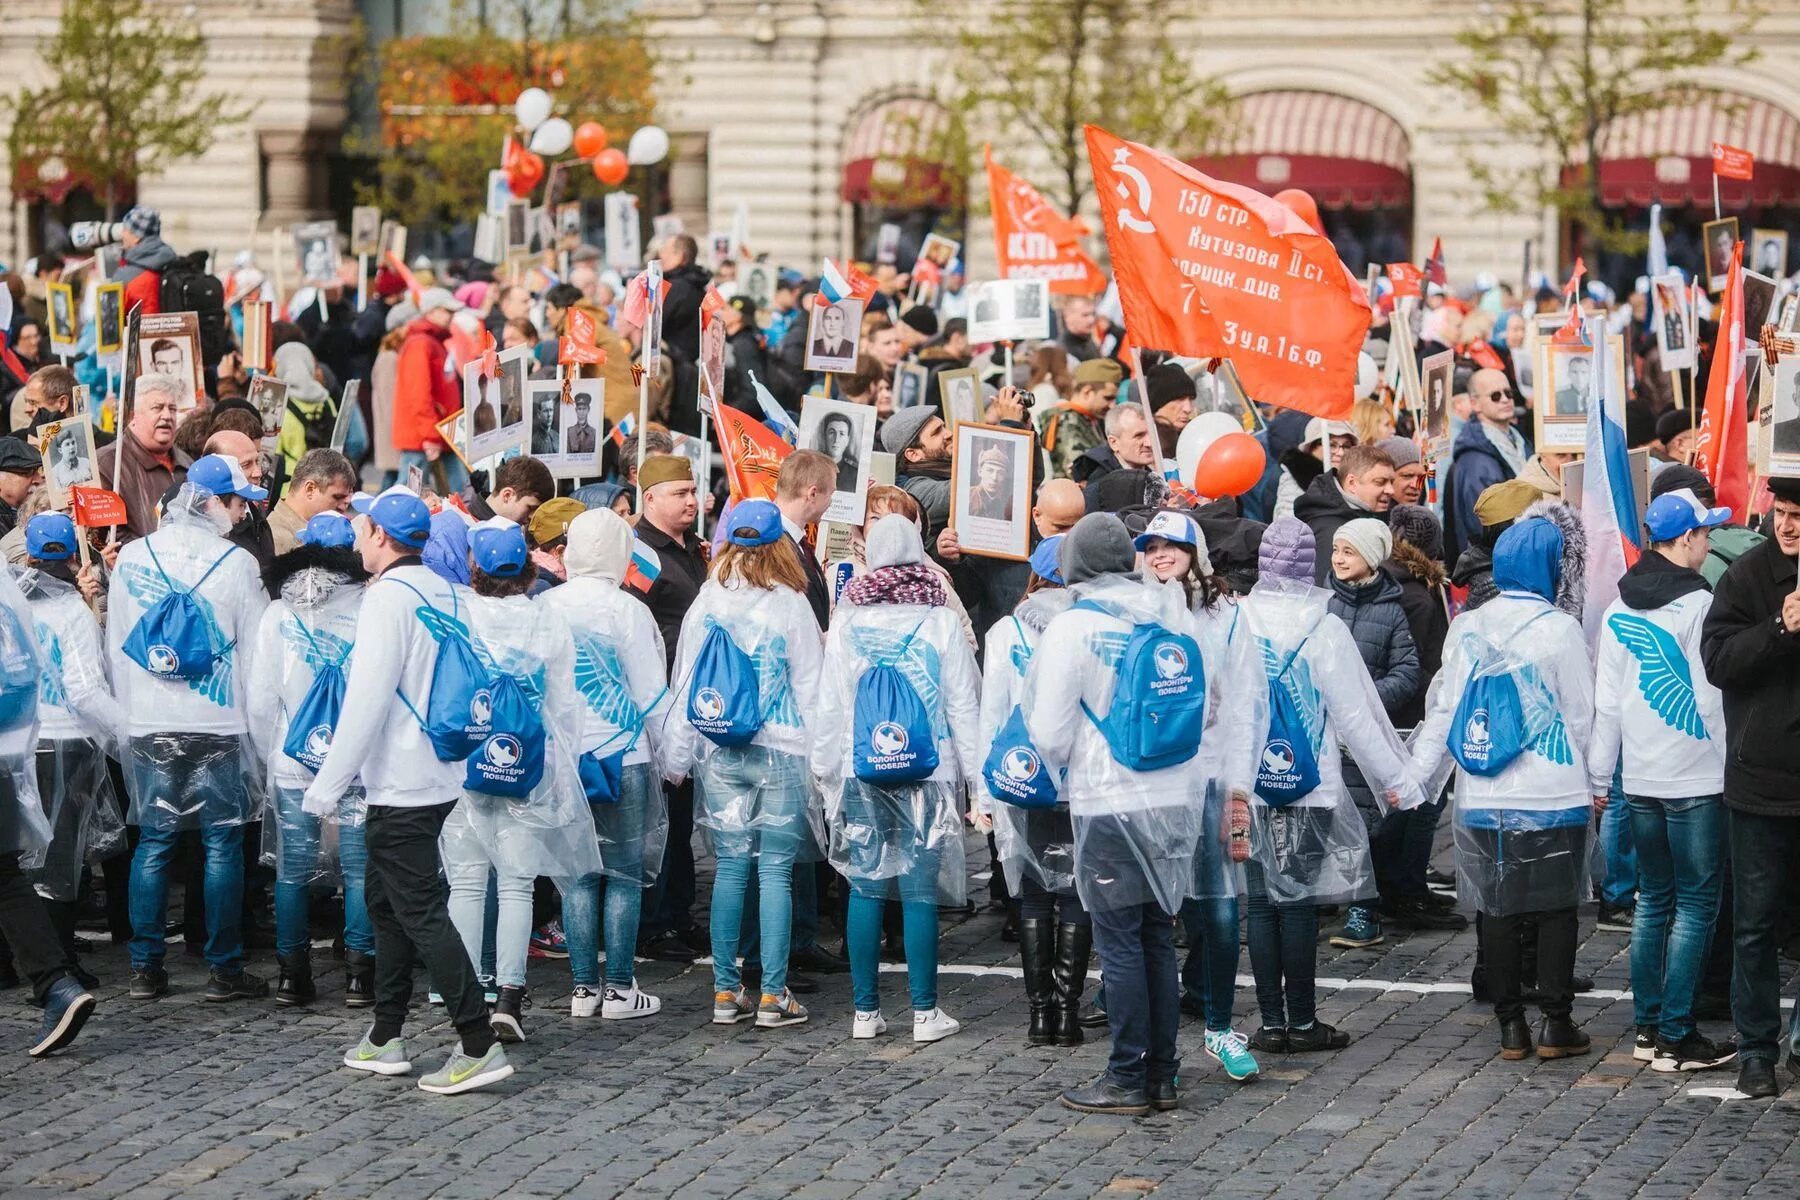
1209,269
752,454
1408,280
1032,240
1733,162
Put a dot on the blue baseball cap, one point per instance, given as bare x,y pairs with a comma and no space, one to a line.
1674,513
217,475
755,523
1170,526
498,547
399,513
50,537
328,530
1043,560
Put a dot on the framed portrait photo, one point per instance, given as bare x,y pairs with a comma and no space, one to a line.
757,281
959,392
566,425
1674,324
365,230
1010,310
990,490
844,433
518,227
1778,441
1435,373
268,395
109,318
69,459
169,344
1717,238
1759,303
451,432
316,249
1565,389
494,407
64,329
833,333
1767,253
910,380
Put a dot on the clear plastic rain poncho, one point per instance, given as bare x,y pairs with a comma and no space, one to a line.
1031,843
884,833
24,829
310,627
1315,849
548,832
80,723
1228,752
1521,835
620,679
761,791
1135,831
189,763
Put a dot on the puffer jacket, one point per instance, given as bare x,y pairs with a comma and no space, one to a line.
1427,618
1377,620
1326,507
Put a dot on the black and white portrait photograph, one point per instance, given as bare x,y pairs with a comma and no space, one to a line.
1768,252
910,381
1674,338
990,490
1718,237
1759,303
316,249
832,335
959,394
518,227
169,344
365,231
1784,424
568,225
844,433
570,446
757,281
496,407
109,316
63,329
1435,373
69,456
546,418
1010,310
268,395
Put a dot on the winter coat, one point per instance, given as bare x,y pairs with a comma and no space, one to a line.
1652,699
424,393
744,355
145,479
1377,621
1475,466
1326,508
1755,664
681,309
140,270
1427,618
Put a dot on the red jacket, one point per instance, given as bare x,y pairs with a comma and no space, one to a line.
423,393
145,288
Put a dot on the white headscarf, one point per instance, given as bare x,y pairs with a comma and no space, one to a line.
599,546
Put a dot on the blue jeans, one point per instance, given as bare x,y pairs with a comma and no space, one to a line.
584,911
1143,992
503,940
1618,863
149,901
299,859
805,930
1284,942
775,913
1679,843
455,473
1210,972
918,911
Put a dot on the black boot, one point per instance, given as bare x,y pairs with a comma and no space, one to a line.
1036,938
1073,944
1559,1037
1515,1038
295,986
359,982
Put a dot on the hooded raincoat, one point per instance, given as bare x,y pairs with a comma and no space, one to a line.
1032,843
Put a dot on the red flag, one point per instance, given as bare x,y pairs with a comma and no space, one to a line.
577,344
413,290
1571,329
1434,266
1209,269
752,454
1033,240
1732,162
1482,353
636,308
862,284
96,508
1721,448
711,302
1408,280
12,360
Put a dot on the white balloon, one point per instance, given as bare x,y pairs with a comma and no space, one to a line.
1201,432
1368,375
648,145
553,137
532,108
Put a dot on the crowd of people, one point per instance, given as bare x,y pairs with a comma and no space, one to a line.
476,722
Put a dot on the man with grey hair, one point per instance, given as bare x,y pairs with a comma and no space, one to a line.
143,468
323,481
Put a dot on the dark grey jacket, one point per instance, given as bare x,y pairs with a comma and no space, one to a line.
1377,621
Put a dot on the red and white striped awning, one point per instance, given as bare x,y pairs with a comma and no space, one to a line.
897,156
1665,156
1347,154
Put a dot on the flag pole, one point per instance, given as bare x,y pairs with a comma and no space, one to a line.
705,481
643,429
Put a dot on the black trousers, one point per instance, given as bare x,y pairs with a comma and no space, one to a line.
669,903
1503,946
409,907
35,947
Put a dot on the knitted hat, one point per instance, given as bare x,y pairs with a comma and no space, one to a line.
1404,451
1098,545
388,283
1318,429
665,468
1673,424
1676,476
144,222
1167,384
1287,552
921,318
1415,525
1368,537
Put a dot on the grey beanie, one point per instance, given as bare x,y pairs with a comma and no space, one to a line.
1404,451
1287,551
1098,545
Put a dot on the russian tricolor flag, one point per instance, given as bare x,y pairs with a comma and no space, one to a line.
832,284
1609,508
643,568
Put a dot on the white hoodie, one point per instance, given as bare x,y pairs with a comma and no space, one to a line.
1652,699
311,625
75,699
377,735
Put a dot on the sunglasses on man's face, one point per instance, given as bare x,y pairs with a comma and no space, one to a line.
1504,393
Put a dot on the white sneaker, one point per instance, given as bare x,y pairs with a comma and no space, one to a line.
632,1002
934,1026
585,1001
868,1025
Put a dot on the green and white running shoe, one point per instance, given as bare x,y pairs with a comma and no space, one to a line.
382,1060
1232,1050
464,1073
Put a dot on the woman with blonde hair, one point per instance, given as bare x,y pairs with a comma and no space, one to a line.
1371,421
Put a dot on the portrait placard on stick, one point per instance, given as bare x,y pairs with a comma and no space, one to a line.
169,344
844,433
990,490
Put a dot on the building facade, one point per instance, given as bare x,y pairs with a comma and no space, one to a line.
817,115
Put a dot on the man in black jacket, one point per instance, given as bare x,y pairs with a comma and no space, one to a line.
687,281
1751,647
1362,485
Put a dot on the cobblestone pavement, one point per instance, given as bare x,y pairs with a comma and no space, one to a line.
180,1098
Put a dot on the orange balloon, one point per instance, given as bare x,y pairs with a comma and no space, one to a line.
1303,205
1231,466
525,174
610,166
590,138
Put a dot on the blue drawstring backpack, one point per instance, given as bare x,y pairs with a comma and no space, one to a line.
1158,708
18,673
893,738
173,639
1289,769
458,712
603,774
1014,769
1488,729
725,701
510,761
315,719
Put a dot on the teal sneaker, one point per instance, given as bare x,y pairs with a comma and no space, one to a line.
464,1074
1361,930
1232,1051
389,1059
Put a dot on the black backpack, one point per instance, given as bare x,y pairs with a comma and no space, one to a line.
318,427
186,287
